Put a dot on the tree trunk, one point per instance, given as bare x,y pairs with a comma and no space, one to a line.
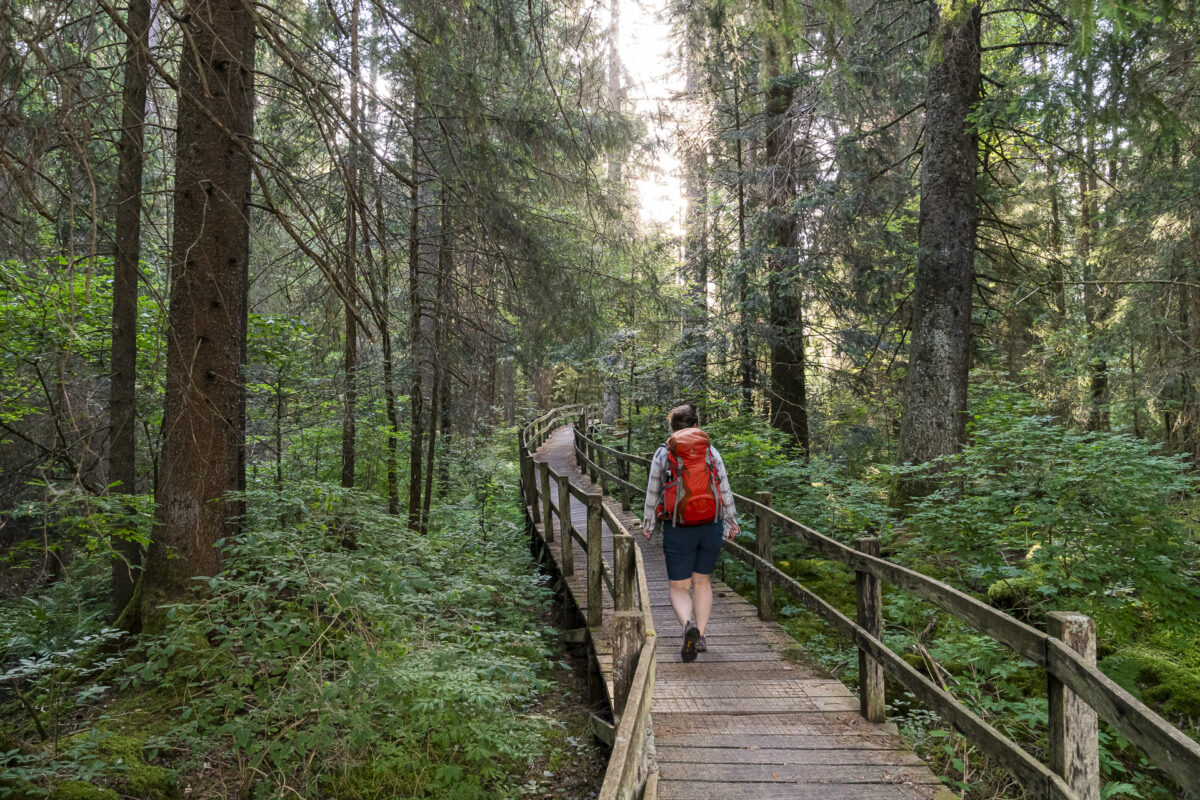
350,273
745,320
122,394
935,389
439,333
693,367
788,409
611,406
204,411
416,397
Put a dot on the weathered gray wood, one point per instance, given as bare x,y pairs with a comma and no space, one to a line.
579,493
595,562
547,511
567,546
1169,749
650,792
627,638
762,547
869,602
601,729
623,480
575,635
527,483
625,584
1074,728
629,743
643,588
601,471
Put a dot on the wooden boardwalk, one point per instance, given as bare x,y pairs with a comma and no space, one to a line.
750,719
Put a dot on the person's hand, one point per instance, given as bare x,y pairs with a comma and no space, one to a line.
647,529
731,531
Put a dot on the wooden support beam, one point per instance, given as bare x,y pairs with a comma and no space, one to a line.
575,635
869,596
762,548
604,731
623,474
595,563
547,511
567,557
627,638
1074,727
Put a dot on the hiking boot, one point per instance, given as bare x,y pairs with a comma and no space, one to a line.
701,645
691,634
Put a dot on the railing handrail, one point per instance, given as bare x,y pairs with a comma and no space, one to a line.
633,636
1169,748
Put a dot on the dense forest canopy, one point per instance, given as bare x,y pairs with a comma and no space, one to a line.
279,279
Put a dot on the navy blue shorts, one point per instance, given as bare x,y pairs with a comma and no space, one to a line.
692,549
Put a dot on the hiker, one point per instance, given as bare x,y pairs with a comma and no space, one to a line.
689,493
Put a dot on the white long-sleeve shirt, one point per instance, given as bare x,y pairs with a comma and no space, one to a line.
654,488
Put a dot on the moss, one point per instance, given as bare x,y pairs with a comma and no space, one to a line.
1015,592
81,790
1159,678
123,753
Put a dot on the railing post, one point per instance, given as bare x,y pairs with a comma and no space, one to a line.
624,573
869,595
578,448
564,525
1074,730
595,558
627,623
547,501
527,478
600,470
535,507
592,462
623,474
762,549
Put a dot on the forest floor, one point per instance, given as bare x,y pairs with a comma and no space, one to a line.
573,767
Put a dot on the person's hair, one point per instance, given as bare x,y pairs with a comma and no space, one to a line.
683,416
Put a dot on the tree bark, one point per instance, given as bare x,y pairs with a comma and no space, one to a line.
416,397
122,463
693,366
933,423
745,319
788,404
350,272
203,454
612,381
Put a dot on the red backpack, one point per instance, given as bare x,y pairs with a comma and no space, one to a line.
691,485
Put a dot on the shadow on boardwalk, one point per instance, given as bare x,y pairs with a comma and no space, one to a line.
746,720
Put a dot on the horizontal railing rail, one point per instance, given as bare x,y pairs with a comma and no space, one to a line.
1078,690
631,630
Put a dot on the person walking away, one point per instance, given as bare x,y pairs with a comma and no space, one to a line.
688,492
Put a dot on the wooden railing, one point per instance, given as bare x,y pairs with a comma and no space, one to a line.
632,627
1078,690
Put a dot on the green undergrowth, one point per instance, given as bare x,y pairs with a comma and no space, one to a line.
336,655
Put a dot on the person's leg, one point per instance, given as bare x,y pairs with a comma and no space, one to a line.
681,599
708,548
702,600
679,551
